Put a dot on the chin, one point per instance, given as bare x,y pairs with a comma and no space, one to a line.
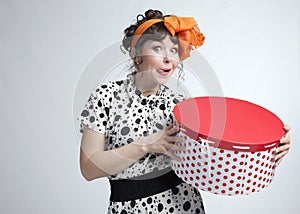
162,80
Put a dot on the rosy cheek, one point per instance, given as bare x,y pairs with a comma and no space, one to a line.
176,60
175,64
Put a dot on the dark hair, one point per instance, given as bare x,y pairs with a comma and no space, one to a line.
156,32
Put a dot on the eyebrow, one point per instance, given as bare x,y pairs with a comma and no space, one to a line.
159,41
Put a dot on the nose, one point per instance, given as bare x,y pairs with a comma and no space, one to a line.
167,59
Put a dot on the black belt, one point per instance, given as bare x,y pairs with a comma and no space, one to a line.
126,190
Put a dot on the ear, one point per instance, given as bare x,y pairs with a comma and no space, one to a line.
133,53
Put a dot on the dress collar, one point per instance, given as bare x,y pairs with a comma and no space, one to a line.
136,95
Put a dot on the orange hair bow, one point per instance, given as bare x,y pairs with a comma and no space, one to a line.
187,29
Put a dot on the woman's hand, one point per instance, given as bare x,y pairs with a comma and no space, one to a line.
163,141
284,146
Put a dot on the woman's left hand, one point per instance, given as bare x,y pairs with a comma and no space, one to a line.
284,146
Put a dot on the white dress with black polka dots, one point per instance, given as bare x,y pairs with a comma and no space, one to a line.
121,112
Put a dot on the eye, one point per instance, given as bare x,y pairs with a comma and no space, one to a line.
174,50
157,48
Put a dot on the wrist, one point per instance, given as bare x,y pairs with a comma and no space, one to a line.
142,146
145,149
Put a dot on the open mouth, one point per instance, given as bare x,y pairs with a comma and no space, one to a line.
164,71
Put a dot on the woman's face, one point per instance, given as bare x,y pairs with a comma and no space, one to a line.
159,59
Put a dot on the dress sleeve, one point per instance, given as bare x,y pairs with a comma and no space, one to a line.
95,112
178,98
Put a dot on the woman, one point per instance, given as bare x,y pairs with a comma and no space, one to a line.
127,125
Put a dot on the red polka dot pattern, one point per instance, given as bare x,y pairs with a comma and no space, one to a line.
222,171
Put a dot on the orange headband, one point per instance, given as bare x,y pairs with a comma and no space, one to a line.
187,29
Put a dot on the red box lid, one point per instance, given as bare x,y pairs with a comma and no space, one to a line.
229,123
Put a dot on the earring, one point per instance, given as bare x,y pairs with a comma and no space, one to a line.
138,61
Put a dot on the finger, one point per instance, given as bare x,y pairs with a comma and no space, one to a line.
173,156
172,131
174,147
174,139
284,142
287,130
282,147
280,155
178,148
278,162
175,124
285,137
287,127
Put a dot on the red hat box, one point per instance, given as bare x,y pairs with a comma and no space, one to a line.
230,144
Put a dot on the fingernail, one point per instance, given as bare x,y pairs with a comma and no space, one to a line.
179,159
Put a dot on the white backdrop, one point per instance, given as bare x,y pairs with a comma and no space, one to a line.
253,47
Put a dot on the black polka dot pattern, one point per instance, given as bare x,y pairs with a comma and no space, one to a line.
163,203
121,112
107,112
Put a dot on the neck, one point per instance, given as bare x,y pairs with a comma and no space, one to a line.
143,82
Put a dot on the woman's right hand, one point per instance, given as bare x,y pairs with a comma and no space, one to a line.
163,141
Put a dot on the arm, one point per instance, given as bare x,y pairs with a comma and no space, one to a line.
96,163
